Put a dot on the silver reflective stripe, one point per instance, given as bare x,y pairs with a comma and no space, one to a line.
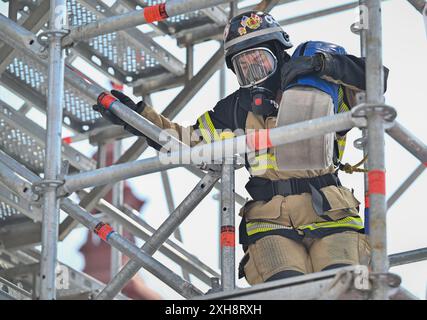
251,35
256,227
207,128
349,222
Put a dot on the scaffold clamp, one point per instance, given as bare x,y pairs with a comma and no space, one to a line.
40,187
361,142
362,110
43,37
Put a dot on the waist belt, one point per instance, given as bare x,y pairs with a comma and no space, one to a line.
265,189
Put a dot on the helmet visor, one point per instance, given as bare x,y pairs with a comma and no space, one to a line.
253,66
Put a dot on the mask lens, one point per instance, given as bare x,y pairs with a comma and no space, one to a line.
254,66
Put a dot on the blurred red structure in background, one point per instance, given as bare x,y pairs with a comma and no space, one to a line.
97,253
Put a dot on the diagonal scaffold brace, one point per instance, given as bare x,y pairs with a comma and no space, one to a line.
161,235
106,233
18,184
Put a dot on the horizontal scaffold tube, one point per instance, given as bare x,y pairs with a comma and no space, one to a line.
134,18
21,38
104,231
113,173
208,153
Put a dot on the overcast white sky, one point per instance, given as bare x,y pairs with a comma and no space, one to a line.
404,52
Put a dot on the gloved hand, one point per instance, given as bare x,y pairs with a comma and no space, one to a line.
110,116
299,66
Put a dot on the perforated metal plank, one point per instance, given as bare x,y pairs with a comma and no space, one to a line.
9,291
20,233
119,50
13,207
5,296
77,279
15,210
22,262
31,77
21,146
7,212
122,51
38,16
23,140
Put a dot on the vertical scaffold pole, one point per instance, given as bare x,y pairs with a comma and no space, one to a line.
227,232
227,237
363,26
117,201
362,33
376,174
58,20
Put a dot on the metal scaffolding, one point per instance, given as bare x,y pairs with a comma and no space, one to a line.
39,171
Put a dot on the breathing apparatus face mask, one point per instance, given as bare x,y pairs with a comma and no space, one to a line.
254,68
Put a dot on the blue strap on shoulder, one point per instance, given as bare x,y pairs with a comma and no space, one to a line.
310,48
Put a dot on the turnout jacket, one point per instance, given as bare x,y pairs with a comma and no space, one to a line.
234,112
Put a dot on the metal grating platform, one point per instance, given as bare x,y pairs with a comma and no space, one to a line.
20,145
23,140
117,48
32,76
15,210
126,56
7,211
17,269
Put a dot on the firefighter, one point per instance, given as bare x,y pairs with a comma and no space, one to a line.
298,221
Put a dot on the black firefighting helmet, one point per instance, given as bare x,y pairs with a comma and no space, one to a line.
250,29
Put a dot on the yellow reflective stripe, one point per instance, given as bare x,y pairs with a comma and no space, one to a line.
211,126
207,128
340,95
342,107
205,133
268,161
341,146
257,227
349,222
341,141
226,135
